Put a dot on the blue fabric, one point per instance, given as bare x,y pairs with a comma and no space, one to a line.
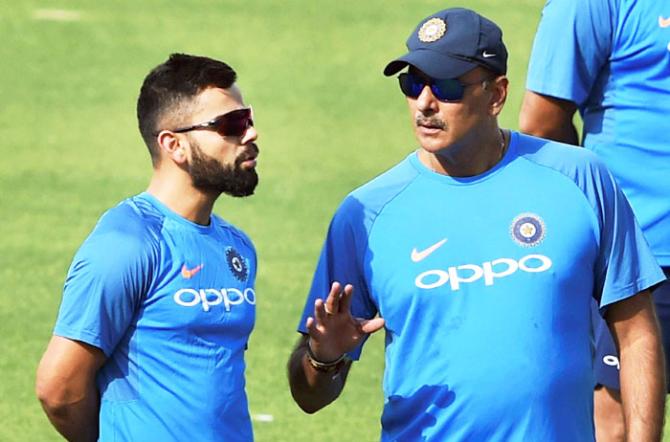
606,358
485,285
612,58
171,304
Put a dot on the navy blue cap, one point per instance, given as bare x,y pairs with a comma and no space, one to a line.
452,42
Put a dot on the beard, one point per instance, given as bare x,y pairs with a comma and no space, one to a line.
209,175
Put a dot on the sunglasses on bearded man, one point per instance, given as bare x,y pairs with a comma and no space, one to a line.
234,123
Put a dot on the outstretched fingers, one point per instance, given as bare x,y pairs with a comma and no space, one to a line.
345,298
326,311
320,312
332,304
310,325
370,326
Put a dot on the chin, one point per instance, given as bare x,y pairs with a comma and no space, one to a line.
433,146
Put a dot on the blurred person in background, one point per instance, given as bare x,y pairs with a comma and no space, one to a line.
610,60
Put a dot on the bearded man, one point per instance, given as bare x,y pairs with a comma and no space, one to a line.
159,301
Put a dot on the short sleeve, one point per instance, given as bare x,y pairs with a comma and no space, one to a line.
106,282
342,260
571,46
625,264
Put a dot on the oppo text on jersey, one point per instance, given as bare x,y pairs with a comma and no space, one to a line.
211,297
488,271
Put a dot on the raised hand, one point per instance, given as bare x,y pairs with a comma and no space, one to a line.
332,330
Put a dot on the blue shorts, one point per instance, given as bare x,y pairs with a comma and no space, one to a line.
606,363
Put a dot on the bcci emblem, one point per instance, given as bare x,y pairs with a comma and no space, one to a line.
432,30
528,229
237,264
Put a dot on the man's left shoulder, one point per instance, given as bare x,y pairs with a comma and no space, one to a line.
564,158
228,228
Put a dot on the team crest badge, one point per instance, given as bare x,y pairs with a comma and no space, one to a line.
237,264
432,30
528,229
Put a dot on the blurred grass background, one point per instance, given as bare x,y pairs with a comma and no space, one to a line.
328,121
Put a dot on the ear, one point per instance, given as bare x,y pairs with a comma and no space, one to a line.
498,88
172,145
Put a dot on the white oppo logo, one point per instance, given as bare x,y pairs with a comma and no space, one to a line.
612,361
489,270
209,297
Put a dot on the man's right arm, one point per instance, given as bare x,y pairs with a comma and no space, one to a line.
318,367
66,387
563,72
548,117
313,389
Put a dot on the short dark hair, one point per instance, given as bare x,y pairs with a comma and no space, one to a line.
169,89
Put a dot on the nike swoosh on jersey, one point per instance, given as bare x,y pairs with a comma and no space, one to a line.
423,254
663,22
188,274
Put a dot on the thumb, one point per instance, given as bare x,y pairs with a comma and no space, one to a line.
371,325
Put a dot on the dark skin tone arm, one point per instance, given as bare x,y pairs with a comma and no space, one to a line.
312,389
548,117
636,332
66,387
332,332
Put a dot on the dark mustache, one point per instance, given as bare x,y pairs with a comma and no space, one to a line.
430,121
250,152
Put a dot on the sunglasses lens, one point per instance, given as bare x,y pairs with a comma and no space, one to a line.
447,90
410,85
444,90
234,123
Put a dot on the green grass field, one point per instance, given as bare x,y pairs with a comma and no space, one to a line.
327,118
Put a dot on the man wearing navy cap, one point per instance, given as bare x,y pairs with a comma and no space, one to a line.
479,255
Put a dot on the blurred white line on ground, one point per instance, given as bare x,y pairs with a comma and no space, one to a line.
263,417
56,15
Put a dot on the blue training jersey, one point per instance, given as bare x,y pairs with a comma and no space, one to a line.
612,58
171,304
485,285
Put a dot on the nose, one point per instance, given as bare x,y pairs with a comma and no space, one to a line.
426,102
250,135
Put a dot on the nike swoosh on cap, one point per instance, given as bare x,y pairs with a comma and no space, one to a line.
423,254
488,54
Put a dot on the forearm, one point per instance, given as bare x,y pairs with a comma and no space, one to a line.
564,134
635,329
313,389
65,385
318,367
643,389
75,418
548,117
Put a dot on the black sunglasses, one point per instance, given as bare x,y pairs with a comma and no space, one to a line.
234,123
449,89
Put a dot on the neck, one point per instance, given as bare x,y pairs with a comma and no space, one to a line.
470,157
179,195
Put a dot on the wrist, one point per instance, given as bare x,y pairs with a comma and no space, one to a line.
323,365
